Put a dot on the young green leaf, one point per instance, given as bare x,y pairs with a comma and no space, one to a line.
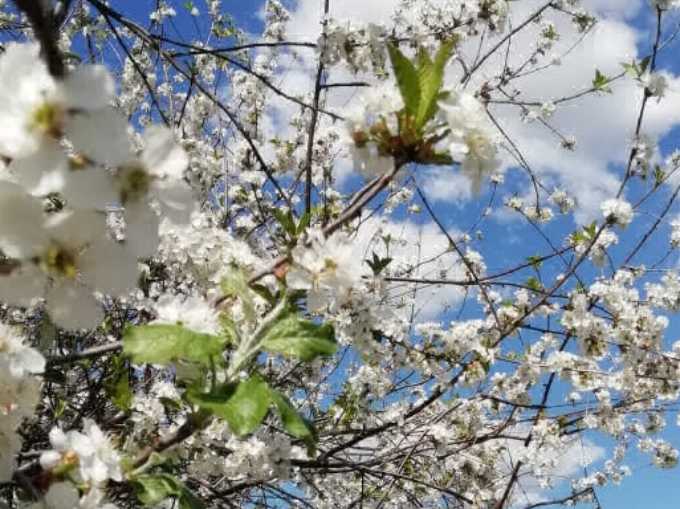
243,405
235,284
378,264
305,221
407,79
295,337
431,79
286,220
601,82
117,384
292,421
163,344
154,489
534,284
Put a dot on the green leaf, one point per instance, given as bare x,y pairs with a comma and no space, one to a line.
243,405
534,284
378,264
305,221
154,489
295,337
407,79
601,82
292,421
229,330
117,385
265,293
235,284
287,221
431,79
535,261
644,63
659,175
122,396
164,344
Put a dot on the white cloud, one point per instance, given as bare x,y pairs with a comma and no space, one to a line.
566,462
603,125
422,248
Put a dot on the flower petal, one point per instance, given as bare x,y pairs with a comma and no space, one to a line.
109,268
88,87
162,155
73,307
101,135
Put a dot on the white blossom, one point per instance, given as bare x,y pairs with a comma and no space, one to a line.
618,211
89,451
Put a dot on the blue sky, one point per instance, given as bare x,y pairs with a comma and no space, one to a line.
507,242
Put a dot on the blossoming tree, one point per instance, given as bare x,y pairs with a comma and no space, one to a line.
211,296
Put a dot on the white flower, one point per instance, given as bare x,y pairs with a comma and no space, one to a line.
665,4
327,268
192,312
49,170
64,495
70,260
156,178
562,200
17,357
375,104
471,139
617,211
35,108
10,445
91,452
19,215
655,83
547,109
675,233
61,495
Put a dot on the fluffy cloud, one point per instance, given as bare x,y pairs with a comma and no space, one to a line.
603,125
423,251
567,462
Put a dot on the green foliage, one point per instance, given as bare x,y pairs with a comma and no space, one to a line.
378,264
117,385
350,404
635,69
407,78
535,261
534,284
601,82
122,394
431,79
292,421
153,489
421,86
659,175
243,405
164,344
286,220
289,225
585,235
293,336
235,284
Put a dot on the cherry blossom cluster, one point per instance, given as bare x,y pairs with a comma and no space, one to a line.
20,366
70,163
